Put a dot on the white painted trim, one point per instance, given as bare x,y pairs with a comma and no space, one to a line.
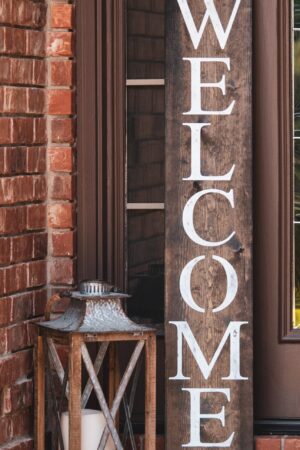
146,82
133,206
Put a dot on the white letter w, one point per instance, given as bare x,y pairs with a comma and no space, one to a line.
212,14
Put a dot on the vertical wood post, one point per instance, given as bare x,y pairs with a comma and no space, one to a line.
75,393
209,225
150,394
113,377
39,394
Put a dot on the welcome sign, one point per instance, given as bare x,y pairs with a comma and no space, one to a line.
209,224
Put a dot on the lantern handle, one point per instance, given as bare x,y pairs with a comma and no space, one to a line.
55,298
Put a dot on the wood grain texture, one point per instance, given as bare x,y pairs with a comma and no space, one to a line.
277,364
226,142
75,392
150,394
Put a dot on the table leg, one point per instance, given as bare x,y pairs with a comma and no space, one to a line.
150,393
114,377
75,393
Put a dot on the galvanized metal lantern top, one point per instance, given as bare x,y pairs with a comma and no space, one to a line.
95,308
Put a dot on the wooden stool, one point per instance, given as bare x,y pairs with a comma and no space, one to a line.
91,318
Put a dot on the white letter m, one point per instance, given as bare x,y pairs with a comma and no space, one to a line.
232,331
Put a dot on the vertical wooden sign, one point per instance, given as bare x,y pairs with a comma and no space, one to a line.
209,224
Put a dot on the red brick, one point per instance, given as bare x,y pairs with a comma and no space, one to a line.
40,133
62,271
16,397
22,248
36,159
60,44
292,443
39,187
36,217
22,306
5,310
39,73
23,13
23,71
5,12
25,444
39,15
5,128
2,281
12,220
40,243
2,159
2,99
22,130
61,15
2,39
268,443
61,215
36,101
60,102
16,189
32,331
39,302
37,273
15,278
61,159
14,338
14,160
13,41
62,187
14,426
15,366
62,130
13,100
3,341
7,190
61,73
18,337
36,43
5,250
63,243
5,72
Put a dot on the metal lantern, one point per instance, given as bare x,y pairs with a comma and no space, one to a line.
95,314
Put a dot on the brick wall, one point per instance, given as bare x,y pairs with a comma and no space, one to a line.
60,108
36,190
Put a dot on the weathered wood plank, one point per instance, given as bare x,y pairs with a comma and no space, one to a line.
224,143
75,393
150,394
97,366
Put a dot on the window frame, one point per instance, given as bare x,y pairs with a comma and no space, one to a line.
286,175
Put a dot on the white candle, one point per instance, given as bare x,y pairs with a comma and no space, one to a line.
93,423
